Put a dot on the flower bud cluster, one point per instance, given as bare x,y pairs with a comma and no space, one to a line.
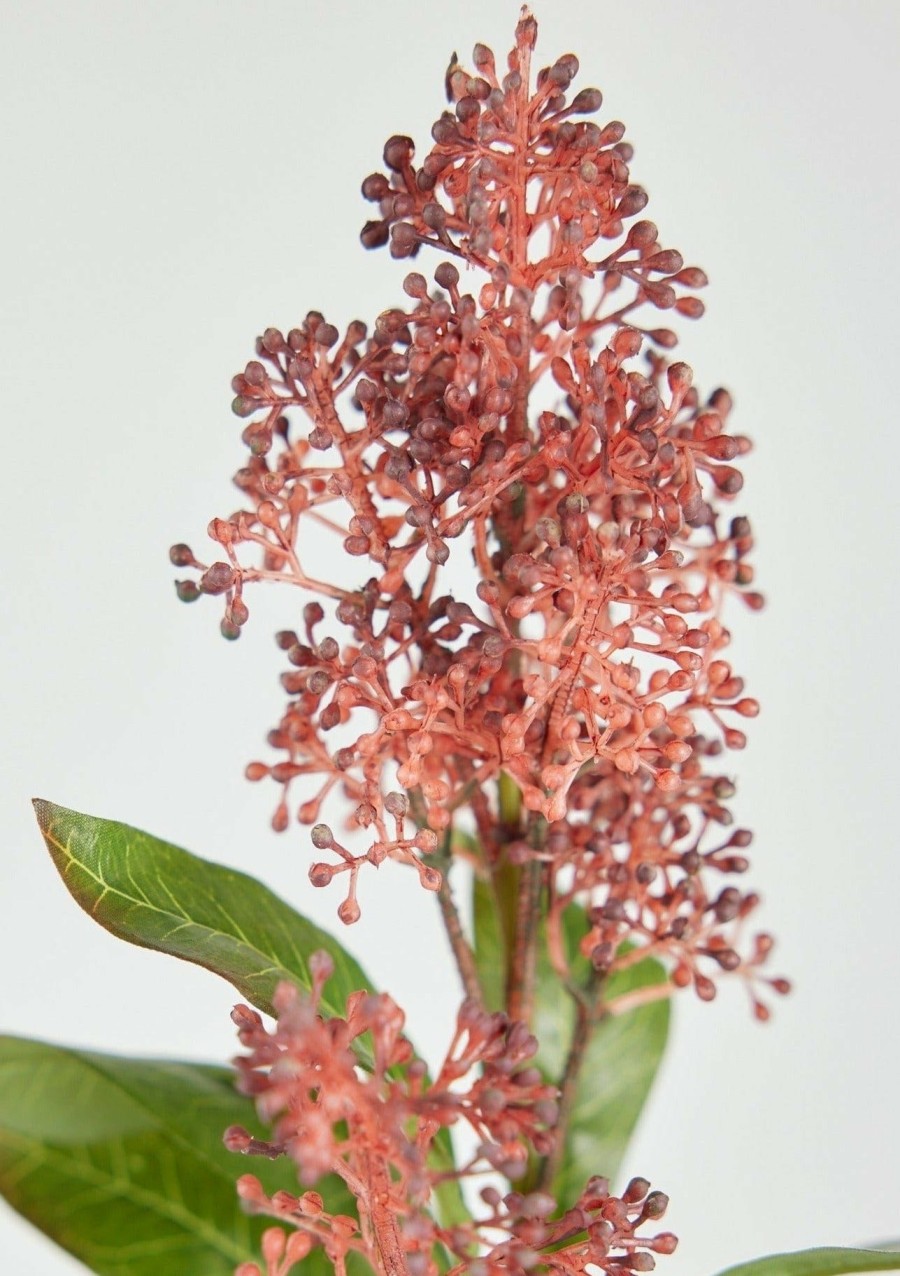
378,1130
536,426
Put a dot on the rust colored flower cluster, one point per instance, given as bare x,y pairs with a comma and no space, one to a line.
377,1129
567,703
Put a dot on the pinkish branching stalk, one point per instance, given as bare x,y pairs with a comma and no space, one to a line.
375,1130
561,723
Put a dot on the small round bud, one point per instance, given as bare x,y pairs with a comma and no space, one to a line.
187,591
376,187
586,102
633,201
217,579
326,334
642,235
272,1244
434,216
415,285
664,1243
690,307
398,152
322,837
446,275
655,1205
349,912
430,878
636,1190
705,988
181,556
242,406
404,240
237,1139
321,874
564,70
373,235
238,612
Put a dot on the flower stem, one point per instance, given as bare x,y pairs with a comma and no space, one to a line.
510,799
459,945
589,1010
523,953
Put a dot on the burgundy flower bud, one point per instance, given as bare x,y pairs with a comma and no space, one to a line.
181,556
373,235
398,152
376,187
446,275
217,579
587,101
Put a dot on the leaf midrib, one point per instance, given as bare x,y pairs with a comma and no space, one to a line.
163,1206
108,889
90,1062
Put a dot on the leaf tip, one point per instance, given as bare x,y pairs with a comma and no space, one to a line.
44,812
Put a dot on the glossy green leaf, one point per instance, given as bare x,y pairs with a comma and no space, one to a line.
121,1161
158,896
819,1262
620,1062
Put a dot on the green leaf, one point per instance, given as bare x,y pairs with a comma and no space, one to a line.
121,1161
819,1262
158,896
620,1061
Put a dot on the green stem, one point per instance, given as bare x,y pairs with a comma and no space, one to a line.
510,799
521,968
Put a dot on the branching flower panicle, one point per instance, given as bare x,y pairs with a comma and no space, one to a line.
376,1131
557,721
588,665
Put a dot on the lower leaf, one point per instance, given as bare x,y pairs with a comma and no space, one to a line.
819,1262
121,1162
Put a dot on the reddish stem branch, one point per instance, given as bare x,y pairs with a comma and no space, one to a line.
459,945
587,1015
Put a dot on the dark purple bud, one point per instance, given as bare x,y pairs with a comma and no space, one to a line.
217,579
181,556
376,187
587,101
446,275
398,152
372,235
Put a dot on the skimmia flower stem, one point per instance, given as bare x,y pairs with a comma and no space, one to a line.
522,672
589,1010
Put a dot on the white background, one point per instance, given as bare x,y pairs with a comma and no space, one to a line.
177,177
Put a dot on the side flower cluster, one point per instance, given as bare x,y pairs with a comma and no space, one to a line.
345,1097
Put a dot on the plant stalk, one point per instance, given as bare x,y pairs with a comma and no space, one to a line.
459,945
589,1010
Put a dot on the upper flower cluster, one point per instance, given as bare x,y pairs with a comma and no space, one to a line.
528,419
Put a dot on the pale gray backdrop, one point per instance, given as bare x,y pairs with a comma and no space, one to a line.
179,176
